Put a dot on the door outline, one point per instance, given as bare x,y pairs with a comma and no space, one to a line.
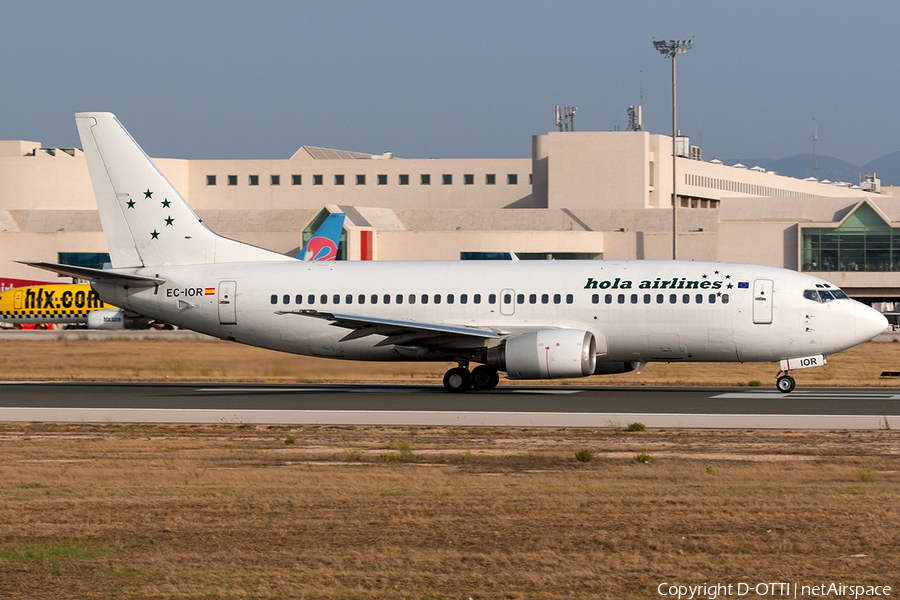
762,301
508,309
226,296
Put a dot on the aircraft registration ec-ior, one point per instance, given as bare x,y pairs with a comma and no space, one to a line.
529,319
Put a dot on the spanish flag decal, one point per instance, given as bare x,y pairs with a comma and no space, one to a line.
210,292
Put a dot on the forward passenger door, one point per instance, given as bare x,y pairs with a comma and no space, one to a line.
762,301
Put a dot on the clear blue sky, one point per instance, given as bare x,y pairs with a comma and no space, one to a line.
205,79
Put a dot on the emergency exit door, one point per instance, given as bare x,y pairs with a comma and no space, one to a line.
762,301
226,297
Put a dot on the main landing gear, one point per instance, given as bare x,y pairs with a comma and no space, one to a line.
785,383
482,377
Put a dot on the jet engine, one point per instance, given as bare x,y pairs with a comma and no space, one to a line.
546,354
614,368
108,318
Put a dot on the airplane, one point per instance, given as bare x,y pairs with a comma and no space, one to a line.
530,319
78,304
323,245
54,303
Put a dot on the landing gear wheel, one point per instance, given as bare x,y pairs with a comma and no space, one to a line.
785,384
457,380
485,378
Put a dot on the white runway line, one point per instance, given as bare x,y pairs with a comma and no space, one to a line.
445,418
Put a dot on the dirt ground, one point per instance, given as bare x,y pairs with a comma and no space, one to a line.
237,511
228,511
159,359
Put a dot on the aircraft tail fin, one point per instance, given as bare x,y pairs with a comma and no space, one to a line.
323,245
145,220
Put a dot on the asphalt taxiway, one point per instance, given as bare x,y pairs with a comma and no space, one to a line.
516,406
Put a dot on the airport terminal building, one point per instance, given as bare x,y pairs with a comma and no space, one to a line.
582,195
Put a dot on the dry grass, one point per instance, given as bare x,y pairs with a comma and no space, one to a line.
196,360
228,511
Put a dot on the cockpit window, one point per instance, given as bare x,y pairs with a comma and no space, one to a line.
824,295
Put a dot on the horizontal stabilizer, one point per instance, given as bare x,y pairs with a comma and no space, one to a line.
98,275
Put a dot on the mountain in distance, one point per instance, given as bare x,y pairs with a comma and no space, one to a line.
800,166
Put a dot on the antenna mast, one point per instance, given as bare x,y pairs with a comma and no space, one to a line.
815,163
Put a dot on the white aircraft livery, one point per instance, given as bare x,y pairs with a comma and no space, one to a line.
529,319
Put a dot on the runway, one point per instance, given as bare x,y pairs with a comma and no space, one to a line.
514,406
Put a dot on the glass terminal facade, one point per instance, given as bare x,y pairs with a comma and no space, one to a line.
863,242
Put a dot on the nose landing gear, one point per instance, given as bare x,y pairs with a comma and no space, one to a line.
482,377
785,383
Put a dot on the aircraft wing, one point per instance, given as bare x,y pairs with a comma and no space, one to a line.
401,332
98,275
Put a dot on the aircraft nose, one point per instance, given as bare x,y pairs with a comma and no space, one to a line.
869,322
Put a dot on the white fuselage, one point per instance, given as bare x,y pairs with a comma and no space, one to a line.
636,310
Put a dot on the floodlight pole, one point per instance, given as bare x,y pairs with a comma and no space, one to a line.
669,50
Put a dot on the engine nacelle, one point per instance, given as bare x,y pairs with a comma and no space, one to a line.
614,368
108,318
547,354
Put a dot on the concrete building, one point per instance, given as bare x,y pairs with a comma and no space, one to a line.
581,195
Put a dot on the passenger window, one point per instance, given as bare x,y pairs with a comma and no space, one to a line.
412,299
532,299
545,298
725,299
646,298
311,299
520,298
298,299
463,298
336,298
399,298
557,298
374,298
361,299
492,299
274,298
387,298
673,298
424,298
507,298
348,299
476,298
595,299
712,298
450,298
699,298
686,299
659,298
437,298
608,298
621,298
286,299
323,299
570,298
634,298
